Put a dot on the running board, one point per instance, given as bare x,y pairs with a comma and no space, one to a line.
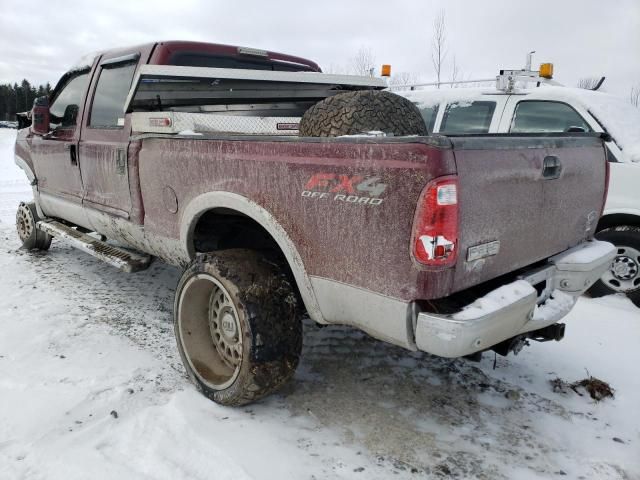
125,260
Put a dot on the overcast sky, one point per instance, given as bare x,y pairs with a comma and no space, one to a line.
39,40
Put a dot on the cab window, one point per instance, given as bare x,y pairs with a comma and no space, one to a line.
467,117
429,116
64,109
107,110
533,116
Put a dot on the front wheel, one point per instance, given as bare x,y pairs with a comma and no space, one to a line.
237,326
624,274
31,236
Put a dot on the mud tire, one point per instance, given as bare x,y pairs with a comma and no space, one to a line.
621,237
31,237
265,308
355,113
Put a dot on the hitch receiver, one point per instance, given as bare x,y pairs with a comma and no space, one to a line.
551,332
517,343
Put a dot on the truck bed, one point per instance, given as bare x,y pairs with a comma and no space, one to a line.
503,197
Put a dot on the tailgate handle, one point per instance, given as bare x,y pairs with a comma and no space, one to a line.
552,167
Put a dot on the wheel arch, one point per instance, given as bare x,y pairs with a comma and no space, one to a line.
228,201
618,219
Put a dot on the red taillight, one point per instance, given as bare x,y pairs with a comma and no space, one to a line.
435,227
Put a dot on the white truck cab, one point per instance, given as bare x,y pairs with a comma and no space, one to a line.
506,108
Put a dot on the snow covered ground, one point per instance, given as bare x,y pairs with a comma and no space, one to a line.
91,386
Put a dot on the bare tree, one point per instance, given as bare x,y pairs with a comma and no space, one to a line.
588,83
363,62
402,79
455,73
334,68
439,44
634,96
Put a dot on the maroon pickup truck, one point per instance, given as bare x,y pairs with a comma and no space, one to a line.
201,155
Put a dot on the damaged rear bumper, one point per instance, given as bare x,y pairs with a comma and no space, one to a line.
518,307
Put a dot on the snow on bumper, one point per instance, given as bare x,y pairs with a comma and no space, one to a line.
517,307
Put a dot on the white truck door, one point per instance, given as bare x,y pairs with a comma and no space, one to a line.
524,115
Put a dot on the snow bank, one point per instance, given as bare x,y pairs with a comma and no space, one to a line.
10,173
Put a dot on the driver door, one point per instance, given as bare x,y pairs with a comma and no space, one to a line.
104,142
55,154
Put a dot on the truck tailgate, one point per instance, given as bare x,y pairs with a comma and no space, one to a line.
536,195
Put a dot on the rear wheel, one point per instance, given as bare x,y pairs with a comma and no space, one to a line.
31,237
237,326
624,274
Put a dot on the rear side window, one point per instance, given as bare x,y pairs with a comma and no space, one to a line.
429,116
64,109
467,117
533,116
188,59
111,93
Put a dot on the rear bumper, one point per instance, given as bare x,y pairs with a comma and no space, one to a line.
516,308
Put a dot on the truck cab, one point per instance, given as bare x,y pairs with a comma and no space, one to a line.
88,131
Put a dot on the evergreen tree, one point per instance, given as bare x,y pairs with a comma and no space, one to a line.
19,98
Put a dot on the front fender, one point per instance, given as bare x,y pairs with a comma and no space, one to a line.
22,163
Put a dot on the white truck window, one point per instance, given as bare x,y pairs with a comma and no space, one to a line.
467,117
535,116
429,115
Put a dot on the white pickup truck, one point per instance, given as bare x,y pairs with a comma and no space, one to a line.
559,109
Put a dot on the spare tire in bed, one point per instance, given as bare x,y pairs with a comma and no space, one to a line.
354,113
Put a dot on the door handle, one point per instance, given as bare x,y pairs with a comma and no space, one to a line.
73,155
551,167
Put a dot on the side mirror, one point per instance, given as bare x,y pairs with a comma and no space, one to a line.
40,116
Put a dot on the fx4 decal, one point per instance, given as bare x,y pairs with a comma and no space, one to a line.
345,188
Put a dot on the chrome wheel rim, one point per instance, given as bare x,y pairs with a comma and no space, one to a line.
225,328
25,223
210,331
624,274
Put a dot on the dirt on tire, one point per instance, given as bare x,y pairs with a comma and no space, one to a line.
354,113
270,315
36,239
